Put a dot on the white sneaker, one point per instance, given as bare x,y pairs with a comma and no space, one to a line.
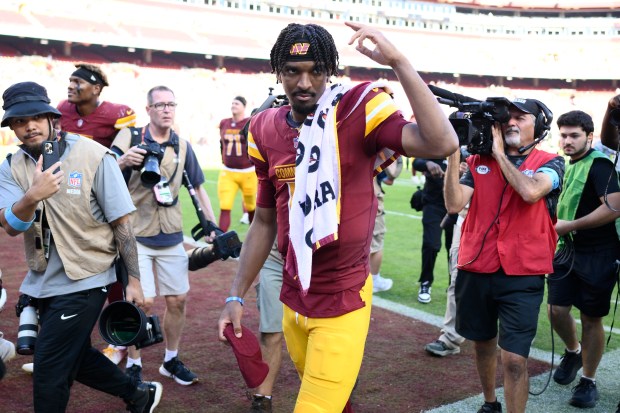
7,349
424,294
28,367
245,219
114,353
381,284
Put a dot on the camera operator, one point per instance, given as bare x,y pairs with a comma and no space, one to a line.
75,219
586,275
507,246
157,221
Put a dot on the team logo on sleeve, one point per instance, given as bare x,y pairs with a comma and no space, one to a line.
74,183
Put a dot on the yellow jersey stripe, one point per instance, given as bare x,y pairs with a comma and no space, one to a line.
378,109
125,122
253,149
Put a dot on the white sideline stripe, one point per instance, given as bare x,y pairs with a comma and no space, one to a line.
607,329
400,214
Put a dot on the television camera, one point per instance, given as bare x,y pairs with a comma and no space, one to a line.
474,119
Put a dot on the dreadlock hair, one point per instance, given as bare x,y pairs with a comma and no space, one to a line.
95,69
321,42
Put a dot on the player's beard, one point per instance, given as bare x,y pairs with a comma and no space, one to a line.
303,109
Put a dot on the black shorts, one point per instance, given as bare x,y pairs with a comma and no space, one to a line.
588,285
484,299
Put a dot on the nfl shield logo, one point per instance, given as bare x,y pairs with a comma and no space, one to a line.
75,179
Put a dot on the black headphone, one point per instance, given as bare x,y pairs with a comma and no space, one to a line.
543,121
542,124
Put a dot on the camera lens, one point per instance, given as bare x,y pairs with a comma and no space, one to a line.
28,331
150,172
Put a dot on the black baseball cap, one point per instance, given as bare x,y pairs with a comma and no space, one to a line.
526,105
26,99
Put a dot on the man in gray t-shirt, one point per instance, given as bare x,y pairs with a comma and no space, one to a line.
75,219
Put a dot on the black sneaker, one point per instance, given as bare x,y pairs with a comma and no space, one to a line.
260,404
135,374
176,370
493,407
618,409
568,368
146,397
584,394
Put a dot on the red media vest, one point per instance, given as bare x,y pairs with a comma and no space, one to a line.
521,238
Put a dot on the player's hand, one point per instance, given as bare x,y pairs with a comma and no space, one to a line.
384,52
46,183
231,314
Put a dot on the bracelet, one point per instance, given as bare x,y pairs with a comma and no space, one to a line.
235,298
16,223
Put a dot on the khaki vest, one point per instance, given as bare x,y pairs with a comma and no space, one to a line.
150,218
86,246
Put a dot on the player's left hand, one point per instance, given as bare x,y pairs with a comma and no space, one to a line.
384,53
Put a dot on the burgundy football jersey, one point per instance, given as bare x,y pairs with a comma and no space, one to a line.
234,146
339,269
102,125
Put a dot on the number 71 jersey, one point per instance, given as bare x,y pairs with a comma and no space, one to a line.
234,146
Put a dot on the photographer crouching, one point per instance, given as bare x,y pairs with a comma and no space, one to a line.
154,160
507,245
74,215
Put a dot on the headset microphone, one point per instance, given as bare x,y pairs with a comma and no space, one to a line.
531,145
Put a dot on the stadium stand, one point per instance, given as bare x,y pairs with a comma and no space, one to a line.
211,50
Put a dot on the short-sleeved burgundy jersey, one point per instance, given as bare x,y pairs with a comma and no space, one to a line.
234,145
340,268
102,125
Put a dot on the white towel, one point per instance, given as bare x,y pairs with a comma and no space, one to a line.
314,212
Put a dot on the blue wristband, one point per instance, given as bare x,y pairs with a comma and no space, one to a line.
16,223
234,298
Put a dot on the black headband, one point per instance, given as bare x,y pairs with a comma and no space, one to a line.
300,51
89,76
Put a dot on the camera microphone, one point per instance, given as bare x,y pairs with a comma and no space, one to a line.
446,94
